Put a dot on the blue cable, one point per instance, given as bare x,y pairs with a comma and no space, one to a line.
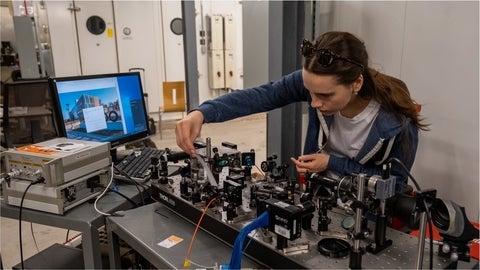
236,259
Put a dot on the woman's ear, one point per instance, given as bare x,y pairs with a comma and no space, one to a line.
357,84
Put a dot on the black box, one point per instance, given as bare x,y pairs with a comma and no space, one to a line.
57,256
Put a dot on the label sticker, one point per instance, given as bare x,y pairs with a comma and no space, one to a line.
38,149
171,241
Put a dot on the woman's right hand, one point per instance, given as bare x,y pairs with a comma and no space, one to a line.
311,163
187,130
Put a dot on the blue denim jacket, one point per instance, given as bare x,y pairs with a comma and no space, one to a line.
383,141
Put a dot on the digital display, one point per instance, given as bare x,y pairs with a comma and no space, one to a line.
104,108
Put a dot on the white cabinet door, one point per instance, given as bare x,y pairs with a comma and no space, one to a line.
96,37
63,38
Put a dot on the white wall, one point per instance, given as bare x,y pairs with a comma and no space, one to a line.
434,48
441,62
209,8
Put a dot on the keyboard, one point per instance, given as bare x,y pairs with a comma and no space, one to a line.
137,164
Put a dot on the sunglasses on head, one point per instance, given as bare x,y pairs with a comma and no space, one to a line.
325,57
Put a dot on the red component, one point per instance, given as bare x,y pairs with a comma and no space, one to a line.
474,248
301,179
396,224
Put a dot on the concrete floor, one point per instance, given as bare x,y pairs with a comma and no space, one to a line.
247,132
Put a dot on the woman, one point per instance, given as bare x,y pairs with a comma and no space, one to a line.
358,117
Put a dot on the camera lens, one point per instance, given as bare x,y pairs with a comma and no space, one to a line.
440,215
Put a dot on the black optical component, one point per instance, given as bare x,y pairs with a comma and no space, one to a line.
325,57
333,247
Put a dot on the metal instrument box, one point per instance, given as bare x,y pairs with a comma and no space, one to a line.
57,199
58,160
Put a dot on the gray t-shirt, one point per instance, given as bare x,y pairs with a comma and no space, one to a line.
347,135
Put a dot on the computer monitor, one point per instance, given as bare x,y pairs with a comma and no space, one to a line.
28,113
104,108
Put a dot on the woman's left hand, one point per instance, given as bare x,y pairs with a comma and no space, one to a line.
311,163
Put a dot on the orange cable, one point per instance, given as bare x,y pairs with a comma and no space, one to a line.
195,232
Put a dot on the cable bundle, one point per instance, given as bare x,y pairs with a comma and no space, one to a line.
236,260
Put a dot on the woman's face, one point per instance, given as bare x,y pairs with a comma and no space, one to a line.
327,95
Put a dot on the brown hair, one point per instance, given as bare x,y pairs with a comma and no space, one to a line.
390,92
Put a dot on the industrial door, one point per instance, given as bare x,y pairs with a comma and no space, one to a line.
96,37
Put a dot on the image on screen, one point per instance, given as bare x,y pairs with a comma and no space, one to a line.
104,108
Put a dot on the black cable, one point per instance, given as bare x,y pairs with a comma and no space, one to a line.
124,196
66,237
119,193
427,210
406,170
39,180
132,180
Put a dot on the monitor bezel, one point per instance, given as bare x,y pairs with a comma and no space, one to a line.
132,138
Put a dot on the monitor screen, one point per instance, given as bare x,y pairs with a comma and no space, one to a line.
104,108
